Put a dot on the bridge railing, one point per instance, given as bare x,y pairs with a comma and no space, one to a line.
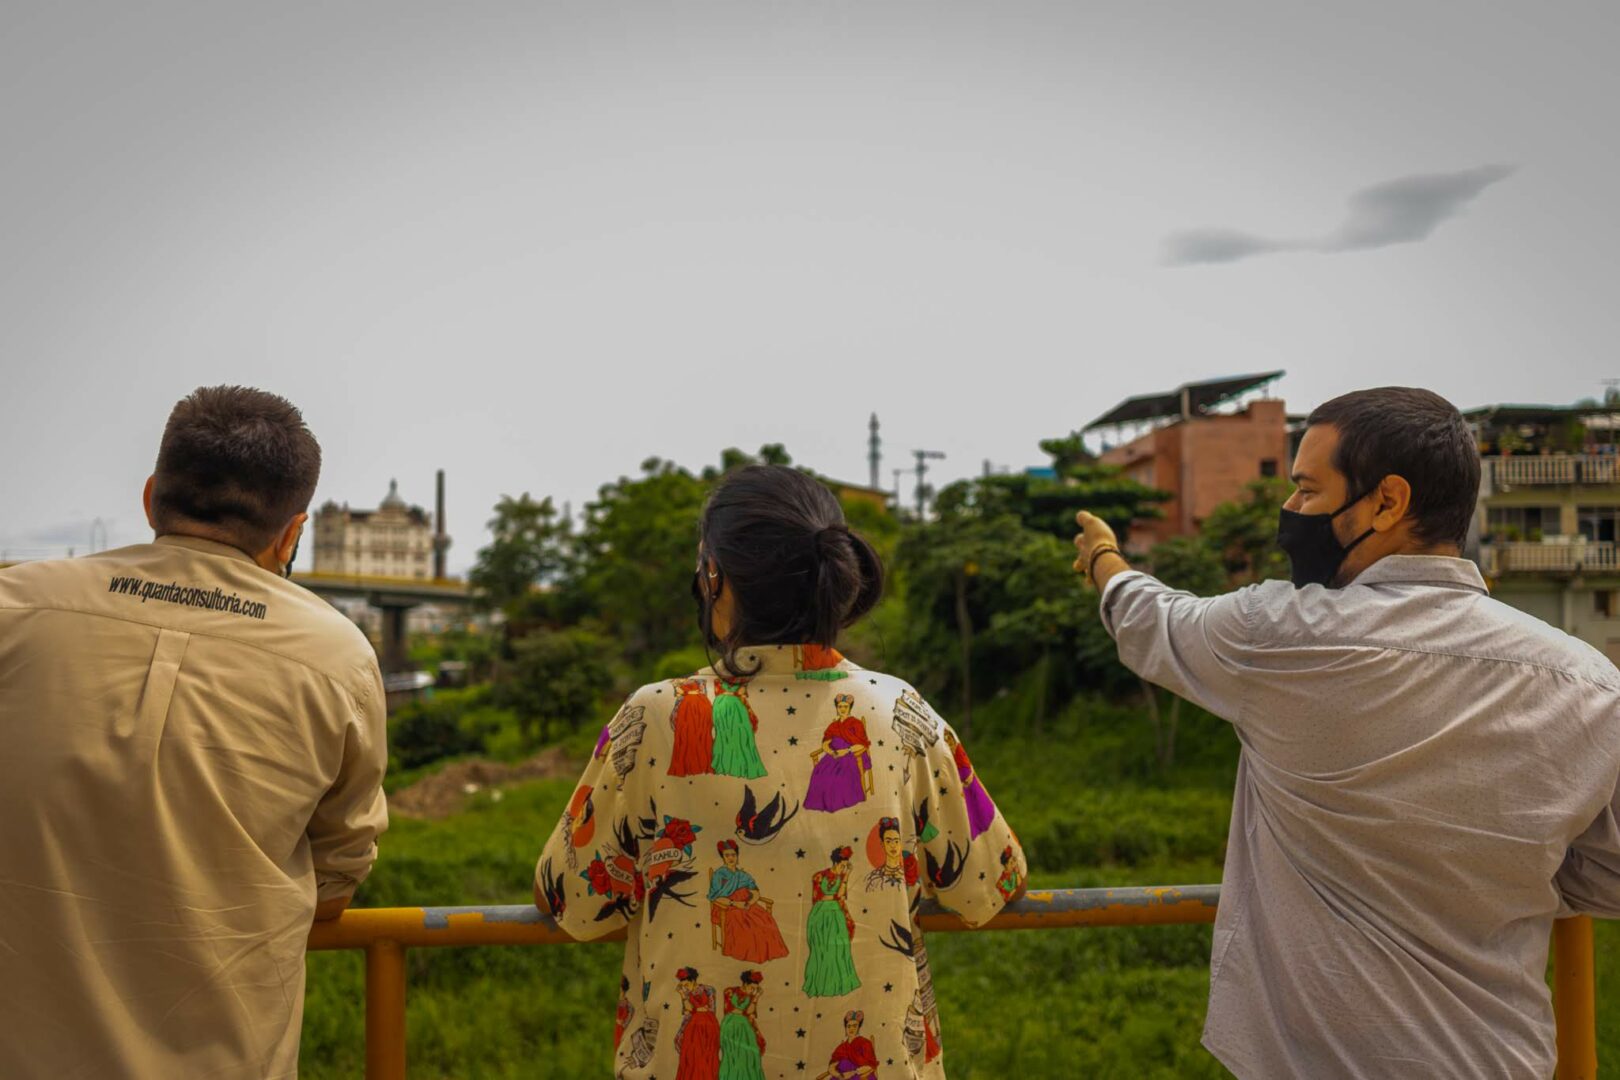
385,933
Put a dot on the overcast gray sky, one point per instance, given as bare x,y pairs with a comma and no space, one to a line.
536,243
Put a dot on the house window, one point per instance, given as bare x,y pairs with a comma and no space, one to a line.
1605,603
1598,522
1514,523
1268,466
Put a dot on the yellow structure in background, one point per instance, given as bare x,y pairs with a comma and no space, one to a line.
385,934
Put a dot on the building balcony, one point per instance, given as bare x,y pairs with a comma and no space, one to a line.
1515,471
1550,558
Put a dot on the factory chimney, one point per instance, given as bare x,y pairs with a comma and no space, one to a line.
441,542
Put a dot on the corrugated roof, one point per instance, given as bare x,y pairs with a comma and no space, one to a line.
1201,397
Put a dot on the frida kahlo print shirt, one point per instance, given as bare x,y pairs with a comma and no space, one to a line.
766,842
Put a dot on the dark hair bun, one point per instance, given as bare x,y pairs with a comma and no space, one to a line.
797,572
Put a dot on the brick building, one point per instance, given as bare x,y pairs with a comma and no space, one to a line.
1202,443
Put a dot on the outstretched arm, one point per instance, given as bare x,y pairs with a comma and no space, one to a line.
1196,647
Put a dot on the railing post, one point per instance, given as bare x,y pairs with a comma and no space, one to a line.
1575,999
385,1011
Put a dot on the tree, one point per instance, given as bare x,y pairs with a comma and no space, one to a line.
557,680
1244,533
634,559
529,546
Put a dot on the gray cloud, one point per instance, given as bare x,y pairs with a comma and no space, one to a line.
1401,211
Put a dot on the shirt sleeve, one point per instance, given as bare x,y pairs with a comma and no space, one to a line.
971,861
585,877
351,815
1192,646
1589,881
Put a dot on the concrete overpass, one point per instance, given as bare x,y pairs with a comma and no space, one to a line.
394,597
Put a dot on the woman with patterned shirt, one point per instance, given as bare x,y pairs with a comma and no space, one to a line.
681,846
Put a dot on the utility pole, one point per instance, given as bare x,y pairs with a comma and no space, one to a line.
896,492
874,452
923,458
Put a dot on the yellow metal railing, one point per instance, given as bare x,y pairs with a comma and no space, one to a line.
385,933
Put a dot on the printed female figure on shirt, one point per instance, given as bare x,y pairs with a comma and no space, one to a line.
1011,879
735,753
622,1015
893,867
855,1056
829,969
693,721
842,776
981,811
698,1038
818,663
742,1047
744,928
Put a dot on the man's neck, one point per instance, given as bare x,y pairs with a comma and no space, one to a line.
1411,547
264,559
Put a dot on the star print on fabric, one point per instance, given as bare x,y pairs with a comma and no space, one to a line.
793,740
799,1034
651,762
800,1066
981,875
887,987
793,710
799,854
942,791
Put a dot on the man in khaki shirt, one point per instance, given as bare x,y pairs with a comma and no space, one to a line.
191,758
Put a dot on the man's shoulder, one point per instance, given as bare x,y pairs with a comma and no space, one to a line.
1538,642
225,599
1420,617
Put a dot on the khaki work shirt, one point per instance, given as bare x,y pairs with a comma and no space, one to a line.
191,754
771,838
1425,783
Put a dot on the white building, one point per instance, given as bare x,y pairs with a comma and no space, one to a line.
394,540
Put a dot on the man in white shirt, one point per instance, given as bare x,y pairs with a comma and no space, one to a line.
1426,774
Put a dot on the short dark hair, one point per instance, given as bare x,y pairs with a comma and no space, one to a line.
1416,435
797,571
238,460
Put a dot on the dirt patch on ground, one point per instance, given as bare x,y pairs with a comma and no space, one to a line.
446,791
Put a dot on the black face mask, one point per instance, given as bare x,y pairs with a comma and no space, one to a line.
1312,548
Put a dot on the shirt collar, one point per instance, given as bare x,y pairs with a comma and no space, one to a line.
1441,571
806,661
207,547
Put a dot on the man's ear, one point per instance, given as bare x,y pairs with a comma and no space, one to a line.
146,502
287,542
1394,500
